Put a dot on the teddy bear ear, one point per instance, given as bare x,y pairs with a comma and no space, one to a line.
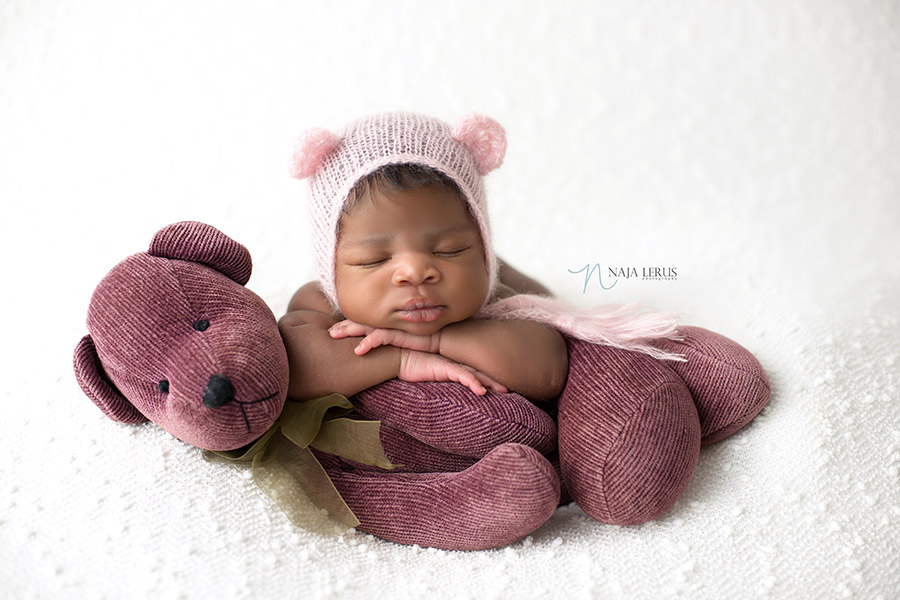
485,138
310,151
202,243
96,384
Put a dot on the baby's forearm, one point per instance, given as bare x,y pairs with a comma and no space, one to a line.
320,365
527,357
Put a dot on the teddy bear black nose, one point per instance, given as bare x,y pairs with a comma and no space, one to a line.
218,392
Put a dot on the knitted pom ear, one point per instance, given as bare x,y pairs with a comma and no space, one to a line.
202,243
310,151
485,139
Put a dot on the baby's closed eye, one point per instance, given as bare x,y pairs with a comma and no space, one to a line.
369,262
450,252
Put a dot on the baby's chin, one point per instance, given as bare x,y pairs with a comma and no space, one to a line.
425,328
420,328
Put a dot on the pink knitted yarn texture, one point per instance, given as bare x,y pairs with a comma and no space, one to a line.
467,152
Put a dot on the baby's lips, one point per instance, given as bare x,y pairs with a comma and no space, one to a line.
419,303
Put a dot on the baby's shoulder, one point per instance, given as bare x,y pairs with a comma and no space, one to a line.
503,291
310,297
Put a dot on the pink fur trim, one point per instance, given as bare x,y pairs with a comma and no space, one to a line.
485,139
310,151
628,327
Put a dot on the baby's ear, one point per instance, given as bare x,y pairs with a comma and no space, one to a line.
310,151
95,383
485,139
202,243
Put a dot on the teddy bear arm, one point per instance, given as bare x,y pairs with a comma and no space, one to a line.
452,418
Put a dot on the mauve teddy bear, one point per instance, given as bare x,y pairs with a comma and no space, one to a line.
176,338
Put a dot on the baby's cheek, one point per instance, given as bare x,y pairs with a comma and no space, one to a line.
359,306
479,291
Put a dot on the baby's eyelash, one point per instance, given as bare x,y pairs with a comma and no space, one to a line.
455,252
370,263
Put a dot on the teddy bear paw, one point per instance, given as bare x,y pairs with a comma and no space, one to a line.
728,384
629,436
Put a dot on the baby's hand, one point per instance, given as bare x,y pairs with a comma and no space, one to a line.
348,328
385,337
424,366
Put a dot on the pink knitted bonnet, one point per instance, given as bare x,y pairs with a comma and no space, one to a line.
336,162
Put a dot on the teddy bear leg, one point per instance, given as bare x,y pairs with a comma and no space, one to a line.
410,455
629,436
728,384
450,417
564,496
506,495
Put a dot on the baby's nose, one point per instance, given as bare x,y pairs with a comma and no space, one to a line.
415,270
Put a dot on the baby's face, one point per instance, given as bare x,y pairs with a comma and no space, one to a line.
410,260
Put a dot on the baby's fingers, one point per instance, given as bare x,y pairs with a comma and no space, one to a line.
491,384
379,337
488,382
478,382
468,379
348,328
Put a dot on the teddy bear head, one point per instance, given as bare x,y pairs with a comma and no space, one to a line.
175,338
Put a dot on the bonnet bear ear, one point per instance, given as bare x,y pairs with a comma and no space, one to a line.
485,139
95,383
310,151
202,243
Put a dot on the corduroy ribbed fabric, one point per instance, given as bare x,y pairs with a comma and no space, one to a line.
629,436
437,412
728,384
198,242
91,376
411,455
507,494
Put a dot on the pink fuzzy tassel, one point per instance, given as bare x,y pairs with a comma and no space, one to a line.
628,327
485,139
310,151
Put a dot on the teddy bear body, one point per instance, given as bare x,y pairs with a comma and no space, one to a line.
176,338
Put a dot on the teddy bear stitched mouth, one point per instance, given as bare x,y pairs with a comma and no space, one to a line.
243,406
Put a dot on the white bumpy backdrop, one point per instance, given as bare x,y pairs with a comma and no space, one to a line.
753,147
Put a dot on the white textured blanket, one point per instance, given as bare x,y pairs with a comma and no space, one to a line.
744,154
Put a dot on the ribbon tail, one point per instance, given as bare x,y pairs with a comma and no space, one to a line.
296,481
355,440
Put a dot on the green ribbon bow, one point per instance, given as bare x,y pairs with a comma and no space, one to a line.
287,471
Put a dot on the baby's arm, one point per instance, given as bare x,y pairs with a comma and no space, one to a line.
320,365
529,358
525,356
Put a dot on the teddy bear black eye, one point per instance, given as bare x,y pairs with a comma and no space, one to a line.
201,325
164,386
